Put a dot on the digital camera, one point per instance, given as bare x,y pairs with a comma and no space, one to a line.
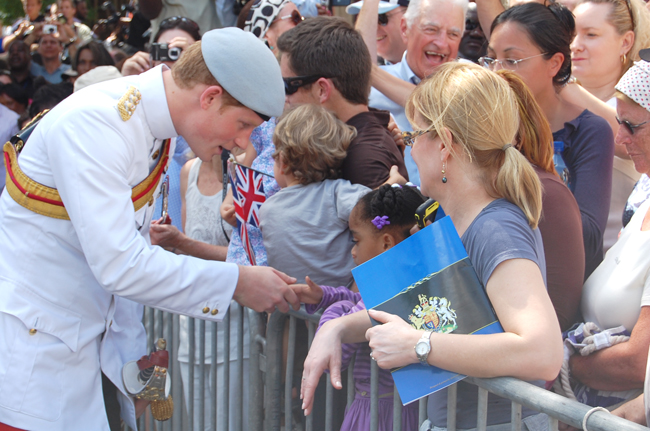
49,29
162,52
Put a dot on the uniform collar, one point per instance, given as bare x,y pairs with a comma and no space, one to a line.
154,102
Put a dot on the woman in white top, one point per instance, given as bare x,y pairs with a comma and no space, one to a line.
618,291
206,236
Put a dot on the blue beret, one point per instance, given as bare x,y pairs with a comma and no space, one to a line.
246,68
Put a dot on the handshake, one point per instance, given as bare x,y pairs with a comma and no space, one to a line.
266,289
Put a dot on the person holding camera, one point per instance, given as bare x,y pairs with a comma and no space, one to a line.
27,28
174,35
71,33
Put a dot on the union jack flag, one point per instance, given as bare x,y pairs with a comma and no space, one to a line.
248,195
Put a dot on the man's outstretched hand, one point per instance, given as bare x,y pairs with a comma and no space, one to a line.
263,288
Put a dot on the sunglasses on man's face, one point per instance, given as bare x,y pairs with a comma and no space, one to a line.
382,18
294,83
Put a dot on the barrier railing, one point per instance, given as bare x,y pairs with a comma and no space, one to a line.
272,390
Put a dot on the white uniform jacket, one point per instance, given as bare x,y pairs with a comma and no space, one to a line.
70,290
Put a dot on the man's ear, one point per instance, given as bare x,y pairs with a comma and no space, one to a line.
404,29
210,96
324,88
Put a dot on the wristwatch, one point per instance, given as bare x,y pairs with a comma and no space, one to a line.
423,347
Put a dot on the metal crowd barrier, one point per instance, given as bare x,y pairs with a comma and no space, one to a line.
272,362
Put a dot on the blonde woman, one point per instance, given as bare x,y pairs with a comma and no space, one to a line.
464,150
609,35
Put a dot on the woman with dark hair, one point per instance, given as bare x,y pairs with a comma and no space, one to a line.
90,55
534,41
176,32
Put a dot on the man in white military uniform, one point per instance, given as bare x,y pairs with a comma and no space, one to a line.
75,258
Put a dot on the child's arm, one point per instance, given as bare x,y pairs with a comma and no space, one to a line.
316,297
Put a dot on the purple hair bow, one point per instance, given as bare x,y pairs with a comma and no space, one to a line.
380,222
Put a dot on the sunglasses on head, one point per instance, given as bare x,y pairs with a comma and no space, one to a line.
172,22
295,17
292,84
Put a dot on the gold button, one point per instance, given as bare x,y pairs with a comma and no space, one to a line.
155,155
32,331
151,200
215,312
206,310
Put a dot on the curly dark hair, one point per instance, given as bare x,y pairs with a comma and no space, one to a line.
399,203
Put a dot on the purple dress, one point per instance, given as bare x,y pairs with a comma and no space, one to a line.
340,301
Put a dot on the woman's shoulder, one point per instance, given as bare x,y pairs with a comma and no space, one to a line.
500,210
500,226
587,121
500,232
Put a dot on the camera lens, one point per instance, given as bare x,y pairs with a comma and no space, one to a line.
174,53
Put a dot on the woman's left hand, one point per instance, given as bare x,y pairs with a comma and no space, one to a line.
393,342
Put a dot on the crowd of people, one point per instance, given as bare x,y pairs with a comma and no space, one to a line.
528,122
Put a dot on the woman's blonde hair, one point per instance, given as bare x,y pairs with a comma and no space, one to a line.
534,138
312,142
620,17
480,111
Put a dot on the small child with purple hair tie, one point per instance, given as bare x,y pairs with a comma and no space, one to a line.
380,220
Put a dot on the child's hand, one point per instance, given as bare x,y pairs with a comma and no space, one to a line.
309,293
394,177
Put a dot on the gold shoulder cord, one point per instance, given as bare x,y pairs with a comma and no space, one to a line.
128,102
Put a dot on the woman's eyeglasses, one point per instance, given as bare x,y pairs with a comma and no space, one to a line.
409,137
506,63
295,17
629,126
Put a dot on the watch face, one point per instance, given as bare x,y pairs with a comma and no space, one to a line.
421,348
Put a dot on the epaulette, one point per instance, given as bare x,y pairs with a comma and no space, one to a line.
128,102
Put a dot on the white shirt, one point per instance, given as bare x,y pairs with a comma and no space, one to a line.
79,283
615,292
378,100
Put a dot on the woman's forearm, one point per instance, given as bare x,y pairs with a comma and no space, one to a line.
350,328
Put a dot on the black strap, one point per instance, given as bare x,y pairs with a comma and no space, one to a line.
225,155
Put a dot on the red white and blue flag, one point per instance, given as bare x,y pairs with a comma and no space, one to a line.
248,195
